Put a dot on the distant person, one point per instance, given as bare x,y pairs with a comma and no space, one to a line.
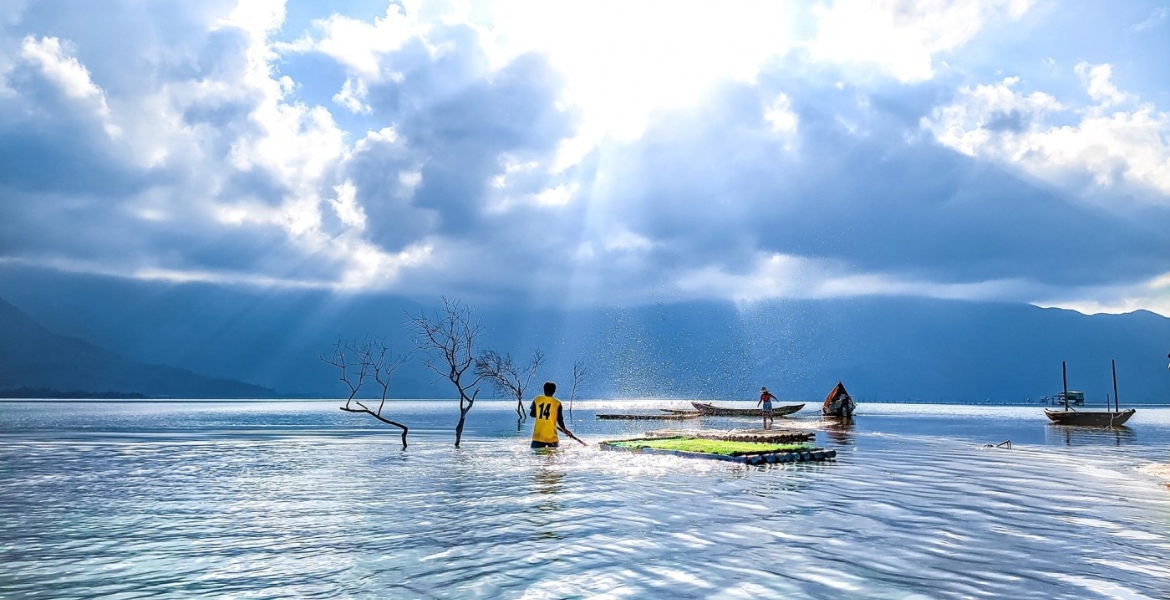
549,418
765,402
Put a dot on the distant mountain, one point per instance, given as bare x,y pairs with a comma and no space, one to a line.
882,348
35,359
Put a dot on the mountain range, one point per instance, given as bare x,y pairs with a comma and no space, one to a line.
37,362
192,340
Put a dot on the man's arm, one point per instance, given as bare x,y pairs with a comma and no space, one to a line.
561,421
561,425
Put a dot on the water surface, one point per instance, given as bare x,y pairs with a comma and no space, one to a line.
298,499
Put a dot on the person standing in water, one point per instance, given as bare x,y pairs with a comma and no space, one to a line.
549,418
765,402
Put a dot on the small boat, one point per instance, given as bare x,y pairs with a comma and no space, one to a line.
1088,418
838,403
710,410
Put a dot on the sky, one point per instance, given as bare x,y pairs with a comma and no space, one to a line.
595,153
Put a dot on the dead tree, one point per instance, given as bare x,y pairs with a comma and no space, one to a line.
359,362
353,371
503,373
448,337
579,375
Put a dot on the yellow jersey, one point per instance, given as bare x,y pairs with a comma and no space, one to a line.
545,427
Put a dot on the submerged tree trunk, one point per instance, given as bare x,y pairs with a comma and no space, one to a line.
379,417
459,426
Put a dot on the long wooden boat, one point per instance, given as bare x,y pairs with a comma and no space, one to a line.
694,414
1092,418
710,410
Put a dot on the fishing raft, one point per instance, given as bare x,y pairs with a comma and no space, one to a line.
752,453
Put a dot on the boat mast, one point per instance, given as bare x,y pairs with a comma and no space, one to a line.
1064,379
1116,403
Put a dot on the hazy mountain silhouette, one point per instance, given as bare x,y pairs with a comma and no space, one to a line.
883,348
36,359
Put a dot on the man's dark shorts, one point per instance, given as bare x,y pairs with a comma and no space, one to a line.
536,444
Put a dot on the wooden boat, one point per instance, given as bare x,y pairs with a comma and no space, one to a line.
1089,418
838,403
694,414
710,410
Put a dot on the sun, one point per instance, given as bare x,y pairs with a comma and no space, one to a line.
624,61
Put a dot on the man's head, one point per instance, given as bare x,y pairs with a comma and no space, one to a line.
763,389
550,388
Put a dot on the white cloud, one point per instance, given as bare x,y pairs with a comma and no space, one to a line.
68,74
1098,82
779,275
988,113
624,240
65,71
360,45
346,206
367,266
1156,18
1120,149
779,114
556,196
353,96
900,37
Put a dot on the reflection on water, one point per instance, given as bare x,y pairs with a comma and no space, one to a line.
1073,435
839,430
547,479
243,500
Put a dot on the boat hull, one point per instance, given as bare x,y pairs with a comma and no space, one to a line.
710,410
1090,418
694,414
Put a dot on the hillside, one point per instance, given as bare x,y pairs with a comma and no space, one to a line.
883,348
32,357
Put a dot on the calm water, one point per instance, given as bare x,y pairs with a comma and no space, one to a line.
297,499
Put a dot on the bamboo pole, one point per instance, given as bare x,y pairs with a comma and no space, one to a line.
1064,378
1116,402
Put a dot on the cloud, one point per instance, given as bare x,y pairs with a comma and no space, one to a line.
501,151
781,276
902,38
1155,19
360,46
1125,150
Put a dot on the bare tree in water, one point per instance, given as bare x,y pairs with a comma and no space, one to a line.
508,378
579,375
449,337
357,363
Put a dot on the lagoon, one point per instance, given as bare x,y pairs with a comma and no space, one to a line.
297,499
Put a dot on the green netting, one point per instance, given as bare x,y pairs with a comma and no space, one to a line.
689,444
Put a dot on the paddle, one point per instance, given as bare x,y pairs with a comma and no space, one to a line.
570,434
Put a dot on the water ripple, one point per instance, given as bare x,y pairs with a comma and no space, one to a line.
240,500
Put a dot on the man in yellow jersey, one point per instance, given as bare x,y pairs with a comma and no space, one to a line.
549,418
